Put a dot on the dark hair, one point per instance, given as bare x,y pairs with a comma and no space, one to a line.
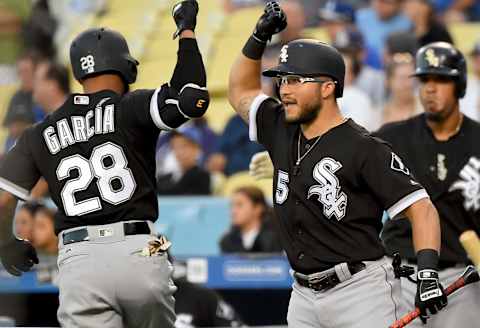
356,62
34,56
59,73
256,196
398,60
32,207
46,211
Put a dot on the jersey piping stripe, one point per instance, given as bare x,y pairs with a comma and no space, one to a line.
14,189
193,86
155,114
177,104
405,202
252,116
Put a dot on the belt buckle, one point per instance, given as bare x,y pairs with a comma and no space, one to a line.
318,283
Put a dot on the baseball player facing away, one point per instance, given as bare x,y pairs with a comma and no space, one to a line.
332,182
97,153
440,146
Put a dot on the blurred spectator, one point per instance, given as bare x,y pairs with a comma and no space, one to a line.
186,147
402,103
458,10
165,158
365,78
470,104
13,14
51,85
18,118
46,243
296,23
376,22
251,229
24,220
21,111
44,238
399,43
355,103
234,149
336,17
425,25
39,29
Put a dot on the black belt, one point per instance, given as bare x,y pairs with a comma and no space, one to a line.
129,228
329,280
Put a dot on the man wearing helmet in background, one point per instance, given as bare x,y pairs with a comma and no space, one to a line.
332,182
97,154
440,146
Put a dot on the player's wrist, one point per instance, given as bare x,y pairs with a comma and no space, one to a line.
427,259
254,48
187,34
188,44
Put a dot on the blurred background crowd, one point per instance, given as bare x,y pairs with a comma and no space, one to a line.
211,155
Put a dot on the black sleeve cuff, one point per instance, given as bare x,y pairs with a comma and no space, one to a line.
188,44
427,259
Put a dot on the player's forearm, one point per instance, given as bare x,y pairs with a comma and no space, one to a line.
425,225
244,79
190,67
8,203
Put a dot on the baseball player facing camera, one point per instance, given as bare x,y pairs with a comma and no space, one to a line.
97,153
440,147
332,182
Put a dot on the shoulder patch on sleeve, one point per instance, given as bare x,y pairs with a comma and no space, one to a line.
81,100
396,164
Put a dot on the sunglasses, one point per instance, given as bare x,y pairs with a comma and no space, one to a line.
294,80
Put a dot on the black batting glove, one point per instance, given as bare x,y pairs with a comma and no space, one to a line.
430,297
17,256
271,22
185,15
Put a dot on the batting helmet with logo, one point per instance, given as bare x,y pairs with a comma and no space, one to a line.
101,50
310,58
442,58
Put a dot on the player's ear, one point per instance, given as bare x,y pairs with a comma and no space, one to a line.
327,89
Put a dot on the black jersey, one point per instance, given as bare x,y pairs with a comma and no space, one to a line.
197,306
330,207
97,154
450,172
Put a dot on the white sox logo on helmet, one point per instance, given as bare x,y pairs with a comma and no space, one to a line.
284,54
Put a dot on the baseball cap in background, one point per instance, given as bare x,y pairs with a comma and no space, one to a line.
476,49
20,109
401,42
190,132
348,40
337,11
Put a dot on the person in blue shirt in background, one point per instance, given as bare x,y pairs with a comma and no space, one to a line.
234,149
376,22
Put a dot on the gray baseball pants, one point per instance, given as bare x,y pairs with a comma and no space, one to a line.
106,282
371,298
463,309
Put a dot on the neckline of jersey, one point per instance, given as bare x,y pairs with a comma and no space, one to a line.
312,140
460,130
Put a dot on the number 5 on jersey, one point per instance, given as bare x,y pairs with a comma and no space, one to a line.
281,194
106,175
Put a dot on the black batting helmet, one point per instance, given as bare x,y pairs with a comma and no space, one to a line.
101,50
310,58
442,58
